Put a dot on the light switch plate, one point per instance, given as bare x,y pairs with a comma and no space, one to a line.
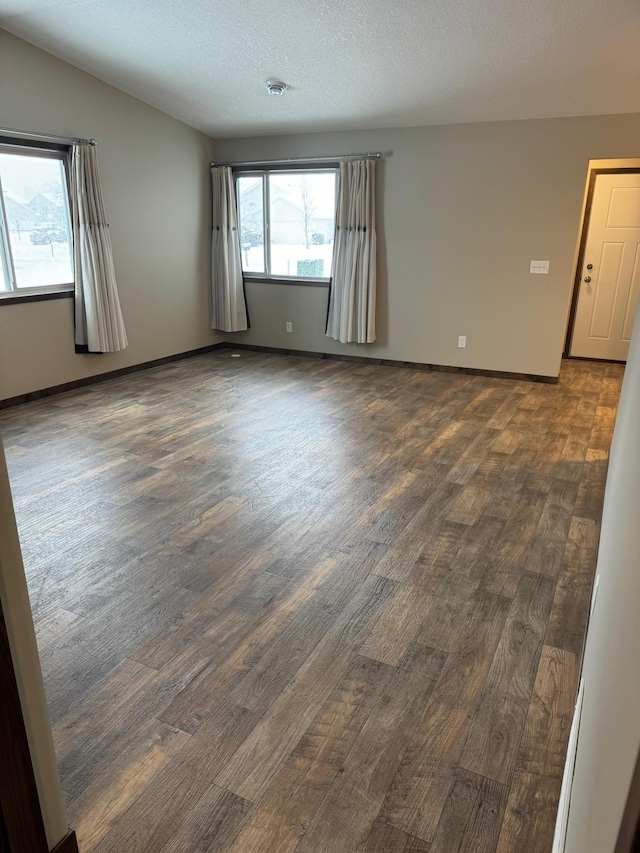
539,267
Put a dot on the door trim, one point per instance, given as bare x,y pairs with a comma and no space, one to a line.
69,844
629,832
20,813
595,168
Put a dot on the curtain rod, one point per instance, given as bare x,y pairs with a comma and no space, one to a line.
376,155
45,137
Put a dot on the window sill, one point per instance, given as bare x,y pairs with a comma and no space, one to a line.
304,282
15,298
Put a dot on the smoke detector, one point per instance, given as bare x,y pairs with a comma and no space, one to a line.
275,87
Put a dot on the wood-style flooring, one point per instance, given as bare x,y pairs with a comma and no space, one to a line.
293,604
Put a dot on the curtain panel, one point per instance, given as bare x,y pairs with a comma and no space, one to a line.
98,317
352,298
229,310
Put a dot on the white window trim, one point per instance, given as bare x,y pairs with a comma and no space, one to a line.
6,257
275,278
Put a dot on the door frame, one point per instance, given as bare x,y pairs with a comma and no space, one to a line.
21,824
31,800
629,165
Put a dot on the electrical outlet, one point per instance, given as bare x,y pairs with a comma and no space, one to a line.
462,340
539,267
288,327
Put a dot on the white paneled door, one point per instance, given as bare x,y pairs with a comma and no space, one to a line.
610,275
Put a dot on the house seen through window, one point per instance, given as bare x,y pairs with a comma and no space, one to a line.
287,223
35,235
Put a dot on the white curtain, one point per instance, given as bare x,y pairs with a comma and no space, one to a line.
98,318
229,312
352,299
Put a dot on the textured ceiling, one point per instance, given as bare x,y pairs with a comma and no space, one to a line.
348,63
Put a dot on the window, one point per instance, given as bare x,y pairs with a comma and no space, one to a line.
35,233
287,223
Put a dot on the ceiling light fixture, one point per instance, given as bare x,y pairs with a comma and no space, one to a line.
275,87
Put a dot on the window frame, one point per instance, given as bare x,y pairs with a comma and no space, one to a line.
263,172
15,294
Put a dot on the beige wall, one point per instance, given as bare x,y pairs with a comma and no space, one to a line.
609,736
464,208
156,186
26,662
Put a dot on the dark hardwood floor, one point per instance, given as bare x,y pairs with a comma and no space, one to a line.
290,604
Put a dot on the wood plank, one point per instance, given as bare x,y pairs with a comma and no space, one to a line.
505,490
212,823
610,390
444,436
240,576
391,512
346,816
255,765
397,627
572,599
458,442
586,411
419,790
547,547
441,616
441,548
472,817
393,516
601,433
298,790
509,558
507,441
468,507
470,460
90,648
503,414
433,541
264,682
445,614
222,672
529,819
491,747
477,548
130,695
491,468
53,627
384,838
103,803
591,490
546,732
150,822
573,455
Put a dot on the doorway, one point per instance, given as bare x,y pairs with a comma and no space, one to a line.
607,282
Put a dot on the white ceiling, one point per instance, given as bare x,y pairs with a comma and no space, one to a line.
348,63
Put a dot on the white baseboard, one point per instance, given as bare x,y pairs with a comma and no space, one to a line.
562,820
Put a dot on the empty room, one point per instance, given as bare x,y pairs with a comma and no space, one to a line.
319,418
